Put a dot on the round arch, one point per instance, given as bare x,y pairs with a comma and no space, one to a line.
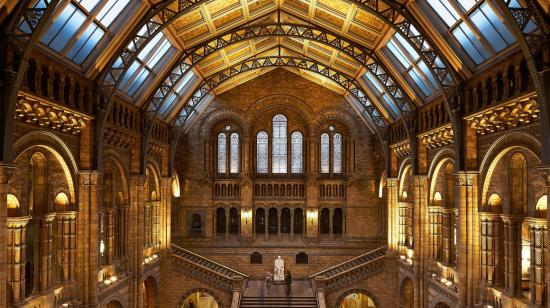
341,300
440,160
113,158
406,293
183,299
54,145
501,147
150,292
222,114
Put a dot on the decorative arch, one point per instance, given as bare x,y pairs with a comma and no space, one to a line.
406,166
406,293
203,290
352,291
440,160
114,158
328,114
221,114
151,293
502,146
53,144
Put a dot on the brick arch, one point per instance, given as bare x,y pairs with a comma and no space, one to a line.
151,284
278,101
364,291
336,114
220,114
440,159
403,169
57,147
115,159
441,299
203,290
503,145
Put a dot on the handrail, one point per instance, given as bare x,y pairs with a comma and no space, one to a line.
374,252
176,248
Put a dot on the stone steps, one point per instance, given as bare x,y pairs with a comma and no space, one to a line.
275,302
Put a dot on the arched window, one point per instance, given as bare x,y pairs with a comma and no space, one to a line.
325,153
279,159
337,153
234,153
296,149
261,152
518,184
222,153
256,258
302,258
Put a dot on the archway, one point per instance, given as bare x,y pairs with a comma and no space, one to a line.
406,294
200,299
442,305
356,299
114,304
150,293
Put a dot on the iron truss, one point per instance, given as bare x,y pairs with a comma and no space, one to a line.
363,55
531,42
21,31
208,85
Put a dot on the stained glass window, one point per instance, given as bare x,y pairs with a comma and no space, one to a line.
325,153
222,153
80,25
261,152
296,150
476,26
234,153
337,153
279,158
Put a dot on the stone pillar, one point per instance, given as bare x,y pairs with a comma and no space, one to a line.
136,222
88,237
165,214
5,174
291,224
330,224
512,254
435,232
227,221
393,215
279,213
538,246
491,250
420,243
45,245
447,238
16,251
466,200
66,245
108,221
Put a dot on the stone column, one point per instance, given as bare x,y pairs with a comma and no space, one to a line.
66,245
538,246
16,251
88,236
165,214
5,173
108,221
227,221
291,224
136,222
491,249
279,213
512,254
330,224
393,215
420,234
447,238
435,232
45,245
466,200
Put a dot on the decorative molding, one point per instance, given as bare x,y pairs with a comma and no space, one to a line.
438,137
33,110
505,116
402,148
118,138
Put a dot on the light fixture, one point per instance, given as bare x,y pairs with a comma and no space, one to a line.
113,278
107,282
312,214
443,280
246,214
449,283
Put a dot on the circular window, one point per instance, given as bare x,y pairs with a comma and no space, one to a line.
331,128
227,127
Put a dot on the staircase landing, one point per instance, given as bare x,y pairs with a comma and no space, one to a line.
256,295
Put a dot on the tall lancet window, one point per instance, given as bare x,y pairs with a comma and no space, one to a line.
234,153
261,152
222,153
296,150
279,159
325,153
337,153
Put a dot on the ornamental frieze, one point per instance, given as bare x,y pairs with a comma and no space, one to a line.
35,111
438,137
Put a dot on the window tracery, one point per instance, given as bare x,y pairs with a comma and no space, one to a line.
228,151
234,153
262,152
222,153
279,154
297,149
331,152
325,153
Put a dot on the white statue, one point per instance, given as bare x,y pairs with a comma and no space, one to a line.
279,269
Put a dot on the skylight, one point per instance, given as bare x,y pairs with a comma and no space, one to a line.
146,66
80,25
476,26
411,62
178,93
379,91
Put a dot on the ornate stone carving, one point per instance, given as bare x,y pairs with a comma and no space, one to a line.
118,138
438,137
32,110
402,148
505,116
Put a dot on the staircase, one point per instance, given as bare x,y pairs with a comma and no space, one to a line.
205,269
356,268
256,295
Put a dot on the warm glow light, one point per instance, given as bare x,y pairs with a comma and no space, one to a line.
107,281
410,253
61,199
525,258
113,278
437,198
246,215
101,247
312,214
13,202
404,195
542,203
